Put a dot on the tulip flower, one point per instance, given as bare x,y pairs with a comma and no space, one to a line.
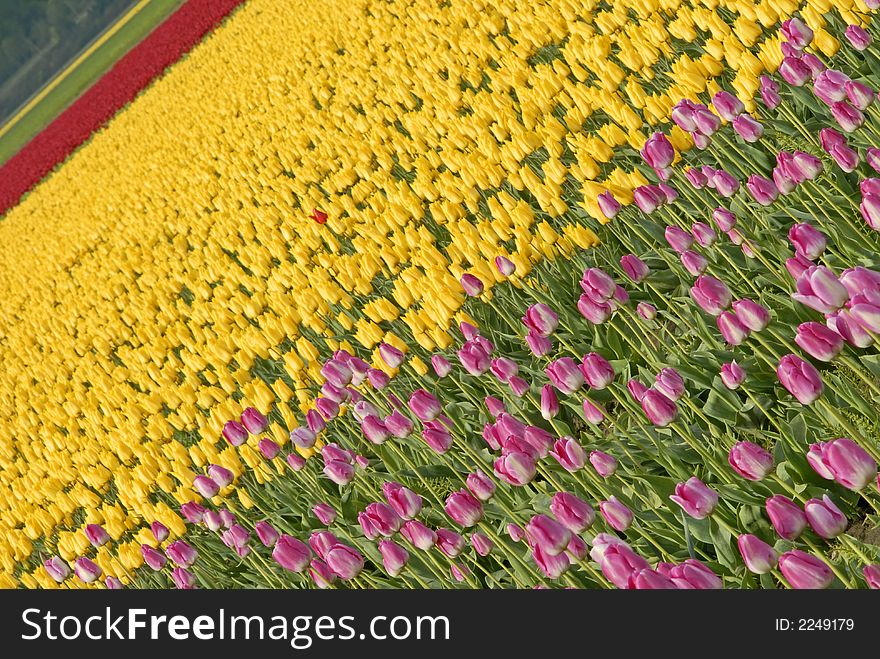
796,32
794,71
394,557
695,497
658,152
830,86
608,205
732,375
694,263
321,541
295,461
436,435
596,312
418,535
539,345
159,530
268,448
182,553
329,409
153,558
724,219
474,358
858,37
762,189
733,331
505,266
711,295
844,461
255,422
518,386
750,461
206,486
634,268
759,557
572,512
636,389
541,319
322,576
450,543
618,561
749,129
235,433
112,583
516,468
549,402
752,315
679,239
825,518
480,485
392,356
669,383
860,95
56,568
424,405
727,105
192,512
325,513
565,375
291,554
872,576
819,341
805,571
785,515
548,534
570,455
616,514
86,570
346,562
339,472
96,535
703,234
593,413
807,241
441,365
464,508
694,575
800,378
659,409
646,311
848,117
769,92
266,533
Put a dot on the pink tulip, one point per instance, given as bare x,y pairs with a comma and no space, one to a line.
670,383
539,345
193,512
616,514
394,557
57,568
182,553
464,508
695,497
727,105
858,37
825,518
255,422
830,86
797,33
703,234
480,485
549,402
694,575
418,535
608,204
441,365
515,468
696,177
205,486
751,314
646,311
548,534
160,531
450,543
565,375
732,375
346,562
759,557
471,284
572,512
794,71
872,576
748,128
634,268
785,515
96,535
769,92
597,371
807,241
604,464
762,189
711,295
724,219
154,560
593,413
733,331
474,358
844,461
848,117
679,239
658,151
659,409
636,389
800,378
596,312
819,289
570,455
818,341
235,433
805,571
750,461
694,263
266,533
86,570
505,266
860,95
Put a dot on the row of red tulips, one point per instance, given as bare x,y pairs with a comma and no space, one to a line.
120,85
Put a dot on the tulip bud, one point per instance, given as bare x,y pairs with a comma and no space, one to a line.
441,365
769,92
450,542
339,472
291,554
703,234
800,378
733,331
321,574
872,576
844,461
678,239
659,409
424,405
86,569
549,402
464,508
255,422
825,518
860,95
670,383
541,319
752,315
634,268
235,433
732,375
206,486
748,128
646,311
819,341
797,33
267,533
572,512
636,389
295,461
759,557
56,568
711,295
805,571
548,534
694,575
569,453
695,497
848,117
787,518
96,535
418,535
516,468
394,557
608,205
794,71
153,558
182,553
658,152
694,263
727,105
750,461
480,485
565,375
504,265
616,514
268,448
472,285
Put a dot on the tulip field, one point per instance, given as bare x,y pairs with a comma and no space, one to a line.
465,294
